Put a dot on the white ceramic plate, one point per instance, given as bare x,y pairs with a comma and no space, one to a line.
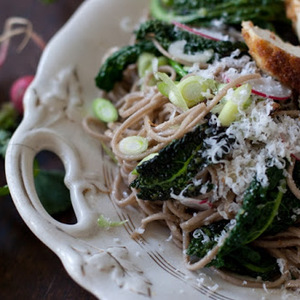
108,263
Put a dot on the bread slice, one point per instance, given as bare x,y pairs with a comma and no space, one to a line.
274,56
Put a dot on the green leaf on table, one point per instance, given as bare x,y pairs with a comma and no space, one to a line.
4,191
53,194
8,117
4,140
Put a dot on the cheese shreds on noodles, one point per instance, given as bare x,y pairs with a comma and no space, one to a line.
261,142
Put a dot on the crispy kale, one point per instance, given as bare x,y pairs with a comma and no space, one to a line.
166,34
230,12
250,261
173,169
246,260
259,208
112,69
206,237
289,209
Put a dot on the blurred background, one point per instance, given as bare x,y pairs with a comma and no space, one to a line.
28,269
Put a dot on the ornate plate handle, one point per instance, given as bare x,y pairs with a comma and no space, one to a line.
61,133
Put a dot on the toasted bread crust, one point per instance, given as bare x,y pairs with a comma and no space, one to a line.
279,62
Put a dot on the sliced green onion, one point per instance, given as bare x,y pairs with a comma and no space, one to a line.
245,97
163,88
105,110
109,152
191,91
174,93
241,96
162,61
228,113
148,157
144,63
178,68
194,89
105,222
217,109
132,145
145,60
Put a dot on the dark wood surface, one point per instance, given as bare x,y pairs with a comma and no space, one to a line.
28,269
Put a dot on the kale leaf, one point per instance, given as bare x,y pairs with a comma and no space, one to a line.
52,192
246,260
259,208
166,34
206,237
289,209
250,261
112,69
230,12
173,169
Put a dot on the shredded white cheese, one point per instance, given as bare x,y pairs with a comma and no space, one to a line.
261,142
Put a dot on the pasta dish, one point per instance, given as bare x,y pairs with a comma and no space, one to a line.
205,131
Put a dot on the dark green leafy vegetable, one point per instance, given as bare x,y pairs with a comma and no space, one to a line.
5,136
8,117
112,69
246,260
173,169
230,12
4,191
166,34
260,206
289,209
205,238
8,123
253,262
52,191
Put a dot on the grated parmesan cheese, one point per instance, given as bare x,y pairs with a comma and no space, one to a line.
261,142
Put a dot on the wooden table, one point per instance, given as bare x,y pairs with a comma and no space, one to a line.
28,269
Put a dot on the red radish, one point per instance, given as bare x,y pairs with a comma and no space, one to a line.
195,31
296,156
205,202
18,90
281,98
266,87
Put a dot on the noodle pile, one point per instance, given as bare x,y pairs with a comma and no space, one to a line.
146,112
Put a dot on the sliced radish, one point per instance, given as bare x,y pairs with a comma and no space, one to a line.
266,87
296,156
195,31
193,203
